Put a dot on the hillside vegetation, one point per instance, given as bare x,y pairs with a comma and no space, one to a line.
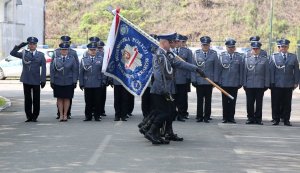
219,19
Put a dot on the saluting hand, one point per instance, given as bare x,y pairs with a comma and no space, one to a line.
81,87
22,44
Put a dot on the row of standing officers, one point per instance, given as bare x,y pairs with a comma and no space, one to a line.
255,71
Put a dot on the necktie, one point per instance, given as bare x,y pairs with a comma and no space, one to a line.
92,59
284,57
32,54
64,58
177,51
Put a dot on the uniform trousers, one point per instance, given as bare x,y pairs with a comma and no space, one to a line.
254,95
163,110
204,93
93,102
146,102
121,102
228,104
181,99
103,99
282,101
32,101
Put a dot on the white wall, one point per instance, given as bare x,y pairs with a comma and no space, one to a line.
20,22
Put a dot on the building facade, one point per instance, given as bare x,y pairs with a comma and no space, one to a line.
20,19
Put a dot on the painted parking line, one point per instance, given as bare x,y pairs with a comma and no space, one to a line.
93,160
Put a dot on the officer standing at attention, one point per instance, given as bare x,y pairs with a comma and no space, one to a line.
229,75
163,87
262,52
182,77
66,39
206,59
284,69
256,82
33,76
64,75
92,81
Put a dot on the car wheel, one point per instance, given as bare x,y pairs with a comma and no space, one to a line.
2,77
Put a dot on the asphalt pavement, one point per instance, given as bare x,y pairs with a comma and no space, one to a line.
117,147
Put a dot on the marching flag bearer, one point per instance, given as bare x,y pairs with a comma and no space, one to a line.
284,69
163,88
256,82
92,81
33,76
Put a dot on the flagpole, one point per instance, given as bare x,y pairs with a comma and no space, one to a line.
157,43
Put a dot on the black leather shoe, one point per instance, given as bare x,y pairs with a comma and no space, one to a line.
123,119
232,121
206,121
199,120
153,139
97,119
57,117
130,114
225,121
29,120
117,119
210,118
287,123
179,118
249,122
103,115
259,123
272,121
34,120
173,137
276,123
87,120
69,116
126,116
163,141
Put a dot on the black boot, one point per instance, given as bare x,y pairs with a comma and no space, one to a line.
151,135
171,136
162,140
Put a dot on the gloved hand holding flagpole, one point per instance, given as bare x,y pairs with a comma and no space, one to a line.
116,12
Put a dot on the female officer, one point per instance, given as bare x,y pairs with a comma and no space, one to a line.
64,75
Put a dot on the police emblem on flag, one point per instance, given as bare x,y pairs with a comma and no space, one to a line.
130,61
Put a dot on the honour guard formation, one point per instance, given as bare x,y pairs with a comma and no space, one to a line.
165,99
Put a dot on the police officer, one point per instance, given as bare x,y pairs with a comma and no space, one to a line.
182,78
256,39
92,81
256,82
163,87
33,76
66,39
229,75
206,59
64,75
284,69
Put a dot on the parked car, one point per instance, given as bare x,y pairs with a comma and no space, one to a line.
12,66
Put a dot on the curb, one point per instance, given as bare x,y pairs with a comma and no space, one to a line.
8,104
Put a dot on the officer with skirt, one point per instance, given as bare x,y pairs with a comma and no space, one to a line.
256,82
64,75
66,39
33,76
163,87
92,81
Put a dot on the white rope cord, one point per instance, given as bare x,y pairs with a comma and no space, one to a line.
249,67
276,65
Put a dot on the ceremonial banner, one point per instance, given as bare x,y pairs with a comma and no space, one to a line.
128,56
